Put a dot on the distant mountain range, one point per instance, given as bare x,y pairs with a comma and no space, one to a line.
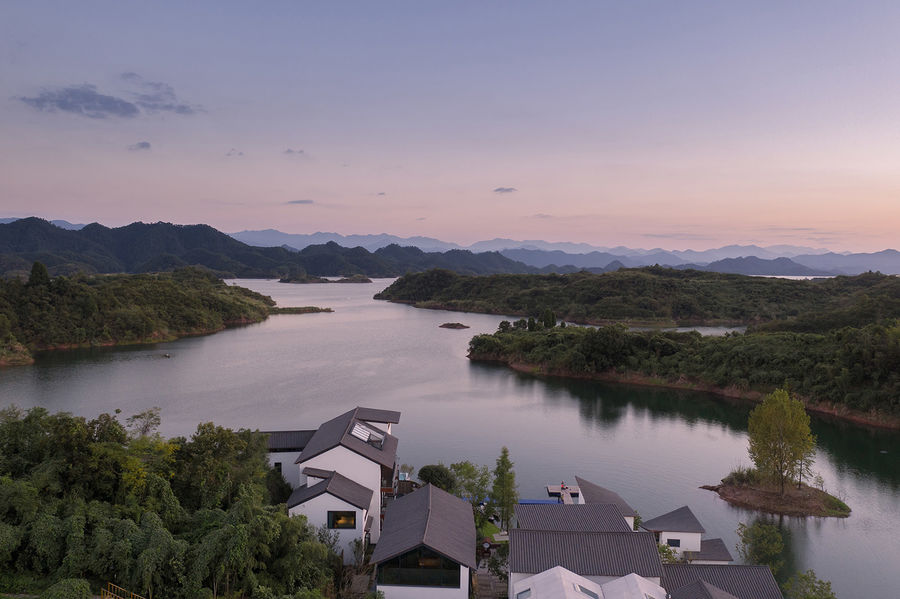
274,253
141,247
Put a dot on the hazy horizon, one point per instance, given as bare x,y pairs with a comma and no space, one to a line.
691,125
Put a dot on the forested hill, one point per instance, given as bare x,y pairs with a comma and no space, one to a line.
62,312
662,295
141,247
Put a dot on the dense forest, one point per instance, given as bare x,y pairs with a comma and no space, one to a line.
154,247
181,518
832,341
661,296
46,313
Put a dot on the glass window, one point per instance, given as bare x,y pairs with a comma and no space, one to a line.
278,467
420,567
523,594
341,519
588,592
674,542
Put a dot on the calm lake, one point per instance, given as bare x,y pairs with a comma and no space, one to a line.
654,447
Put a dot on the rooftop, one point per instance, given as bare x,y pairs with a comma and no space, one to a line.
353,430
336,484
711,550
701,589
589,517
592,493
680,520
584,553
432,518
744,582
288,440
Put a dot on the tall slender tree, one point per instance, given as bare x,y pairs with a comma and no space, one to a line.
504,493
781,444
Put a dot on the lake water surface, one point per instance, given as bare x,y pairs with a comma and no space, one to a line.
654,447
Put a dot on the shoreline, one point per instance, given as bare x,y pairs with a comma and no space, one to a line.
732,392
803,503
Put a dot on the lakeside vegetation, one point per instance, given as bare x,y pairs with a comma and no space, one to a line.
661,296
65,312
100,501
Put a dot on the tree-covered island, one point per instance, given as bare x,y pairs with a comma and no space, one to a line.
45,313
835,343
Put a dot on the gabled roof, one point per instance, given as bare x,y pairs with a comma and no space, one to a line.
632,586
744,582
700,590
376,415
317,472
288,440
592,493
559,583
337,432
710,550
338,485
588,517
431,517
585,553
680,520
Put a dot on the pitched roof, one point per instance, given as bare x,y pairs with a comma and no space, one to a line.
557,582
711,550
376,415
585,553
632,586
596,494
700,590
338,432
588,517
744,582
680,520
336,484
317,472
431,517
288,440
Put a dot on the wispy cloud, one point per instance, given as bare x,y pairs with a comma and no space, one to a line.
505,190
542,215
83,100
300,202
139,146
156,96
146,97
292,152
233,153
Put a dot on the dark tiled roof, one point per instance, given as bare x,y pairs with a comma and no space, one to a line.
375,415
317,472
585,553
336,432
710,549
744,582
700,590
589,517
680,520
288,440
338,485
431,517
596,494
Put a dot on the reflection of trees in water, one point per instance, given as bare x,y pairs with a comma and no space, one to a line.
850,448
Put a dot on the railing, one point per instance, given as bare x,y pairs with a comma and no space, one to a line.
116,592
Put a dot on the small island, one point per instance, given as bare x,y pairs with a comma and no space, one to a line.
782,449
454,325
298,310
305,279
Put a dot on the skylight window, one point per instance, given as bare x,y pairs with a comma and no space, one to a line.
367,435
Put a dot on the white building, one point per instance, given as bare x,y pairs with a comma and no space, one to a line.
679,529
284,449
336,503
591,493
560,583
427,548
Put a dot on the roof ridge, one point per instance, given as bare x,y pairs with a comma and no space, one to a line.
427,513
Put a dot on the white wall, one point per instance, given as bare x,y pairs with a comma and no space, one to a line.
406,592
358,469
690,541
630,521
316,512
289,470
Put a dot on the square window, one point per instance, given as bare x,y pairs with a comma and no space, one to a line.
341,519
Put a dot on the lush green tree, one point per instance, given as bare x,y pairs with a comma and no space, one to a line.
781,444
806,585
39,275
473,483
761,544
68,588
504,493
438,475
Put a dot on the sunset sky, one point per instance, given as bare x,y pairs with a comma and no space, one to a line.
649,124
